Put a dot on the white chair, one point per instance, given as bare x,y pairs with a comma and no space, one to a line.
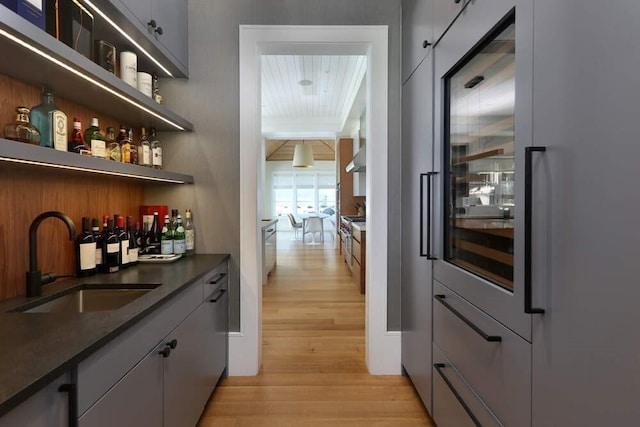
313,225
295,225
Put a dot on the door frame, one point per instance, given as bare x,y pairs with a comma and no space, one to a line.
382,346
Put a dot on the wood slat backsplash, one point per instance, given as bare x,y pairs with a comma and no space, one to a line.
28,191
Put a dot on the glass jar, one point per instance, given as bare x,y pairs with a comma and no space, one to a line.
22,130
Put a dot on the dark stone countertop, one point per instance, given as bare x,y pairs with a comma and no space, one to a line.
39,347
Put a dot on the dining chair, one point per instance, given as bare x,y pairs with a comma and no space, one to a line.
295,225
313,225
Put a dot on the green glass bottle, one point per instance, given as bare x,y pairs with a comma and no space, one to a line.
166,239
51,122
94,138
179,243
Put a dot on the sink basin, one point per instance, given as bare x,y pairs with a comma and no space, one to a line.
88,298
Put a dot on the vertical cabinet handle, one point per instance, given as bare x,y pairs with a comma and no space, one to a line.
491,338
426,253
528,190
439,367
72,392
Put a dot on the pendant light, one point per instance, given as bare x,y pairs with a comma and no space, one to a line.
303,156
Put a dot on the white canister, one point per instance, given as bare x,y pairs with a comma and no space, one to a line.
144,83
129,68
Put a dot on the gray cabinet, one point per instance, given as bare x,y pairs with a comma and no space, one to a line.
164,22
46,408
417,34
586,367
417,159
444,13
136,400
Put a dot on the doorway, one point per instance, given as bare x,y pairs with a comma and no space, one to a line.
382,347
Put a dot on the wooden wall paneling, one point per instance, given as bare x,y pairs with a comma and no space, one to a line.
29,191
348,201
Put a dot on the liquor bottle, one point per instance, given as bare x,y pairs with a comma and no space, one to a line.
86,250
133,147
179,238
22,130
167,237
94,138
97,236
152,244
174,219
113,147
144,149
110,249
189,233
133,243
125,146
123,236
77,144
156,150
51,122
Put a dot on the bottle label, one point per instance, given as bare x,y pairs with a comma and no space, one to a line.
166,248
59,130
113,248
98,255
178,246
146,156
133,254
124,247
98,148
87,256
157,157
190,239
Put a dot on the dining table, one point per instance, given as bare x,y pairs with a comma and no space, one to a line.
305,217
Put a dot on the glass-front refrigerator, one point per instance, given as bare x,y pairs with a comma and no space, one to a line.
483,89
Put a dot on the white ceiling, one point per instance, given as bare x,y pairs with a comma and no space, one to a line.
322,109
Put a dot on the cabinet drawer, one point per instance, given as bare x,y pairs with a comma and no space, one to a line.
454,403
498,371
356,248
356,234
216,278
100,371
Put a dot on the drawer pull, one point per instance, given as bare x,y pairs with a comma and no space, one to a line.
490,338
439,367
218,296
218,278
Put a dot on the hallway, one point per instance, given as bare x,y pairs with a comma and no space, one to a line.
313,369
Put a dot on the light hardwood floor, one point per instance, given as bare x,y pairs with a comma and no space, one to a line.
313,363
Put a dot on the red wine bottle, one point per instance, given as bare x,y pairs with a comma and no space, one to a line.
110,249
86,250
133,244
123,236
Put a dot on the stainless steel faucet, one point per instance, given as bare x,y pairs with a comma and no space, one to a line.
35,279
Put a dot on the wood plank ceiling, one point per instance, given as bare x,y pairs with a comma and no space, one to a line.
282,149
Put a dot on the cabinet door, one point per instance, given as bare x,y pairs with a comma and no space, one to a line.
140,9
46,408
417,28
185,388
171,16
483,90
586,369
136,400
444,13
417,159
217,337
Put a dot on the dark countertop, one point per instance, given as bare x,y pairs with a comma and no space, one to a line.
39,347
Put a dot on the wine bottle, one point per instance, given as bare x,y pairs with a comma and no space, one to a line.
86,250
156,150
133,244
95,228
110,249
123,237
144,149
140,238
152,243
179,238
167,237
189,233
94,138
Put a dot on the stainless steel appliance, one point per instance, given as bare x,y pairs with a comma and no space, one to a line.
345,231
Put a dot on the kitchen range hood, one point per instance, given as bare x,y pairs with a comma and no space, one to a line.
359,162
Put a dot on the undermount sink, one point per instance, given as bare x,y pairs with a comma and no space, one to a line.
87,298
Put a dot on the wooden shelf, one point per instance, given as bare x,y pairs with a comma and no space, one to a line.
18,152
74,77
